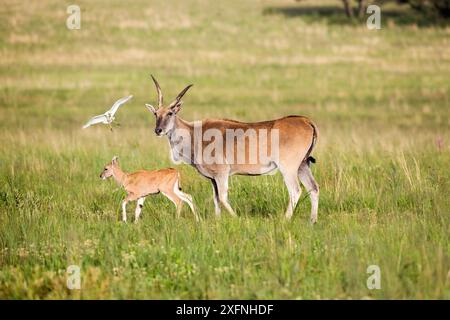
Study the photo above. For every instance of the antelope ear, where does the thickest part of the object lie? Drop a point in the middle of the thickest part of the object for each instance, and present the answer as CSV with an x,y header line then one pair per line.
x,y
115,159
176,107
151,108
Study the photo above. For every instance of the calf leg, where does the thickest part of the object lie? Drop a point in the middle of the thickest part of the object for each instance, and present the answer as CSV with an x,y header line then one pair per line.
x,y
175,199
124,210
307,179
140,204
179,207
129,197
186,198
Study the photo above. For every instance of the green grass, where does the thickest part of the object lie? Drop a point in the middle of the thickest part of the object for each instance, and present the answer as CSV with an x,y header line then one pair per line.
x,y
380,99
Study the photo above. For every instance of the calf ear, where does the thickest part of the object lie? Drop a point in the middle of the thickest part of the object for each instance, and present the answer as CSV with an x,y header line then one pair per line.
x,y
151,108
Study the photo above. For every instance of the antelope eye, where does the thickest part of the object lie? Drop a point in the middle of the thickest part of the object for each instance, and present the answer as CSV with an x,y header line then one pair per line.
x,y
170,113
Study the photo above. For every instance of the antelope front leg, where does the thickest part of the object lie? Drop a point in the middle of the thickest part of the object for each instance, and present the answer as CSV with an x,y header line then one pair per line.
x,y
222,187
140,204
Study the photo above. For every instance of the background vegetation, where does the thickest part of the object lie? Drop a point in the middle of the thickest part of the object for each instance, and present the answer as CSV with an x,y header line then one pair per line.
x,y
380,99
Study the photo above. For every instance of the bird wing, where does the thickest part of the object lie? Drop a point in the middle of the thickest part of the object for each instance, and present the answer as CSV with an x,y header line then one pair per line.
x,y
118,103
95,120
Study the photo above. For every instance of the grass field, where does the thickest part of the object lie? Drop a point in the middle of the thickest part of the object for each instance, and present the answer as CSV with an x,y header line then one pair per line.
x,y
380,99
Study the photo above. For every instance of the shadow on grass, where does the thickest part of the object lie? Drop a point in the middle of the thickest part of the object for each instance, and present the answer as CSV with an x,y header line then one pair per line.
x,y
401,15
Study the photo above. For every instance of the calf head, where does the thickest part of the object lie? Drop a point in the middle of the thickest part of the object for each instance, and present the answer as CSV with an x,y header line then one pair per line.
x,y
108,170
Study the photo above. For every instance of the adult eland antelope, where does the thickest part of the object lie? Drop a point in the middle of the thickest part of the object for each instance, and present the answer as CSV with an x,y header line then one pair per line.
x,y
218,149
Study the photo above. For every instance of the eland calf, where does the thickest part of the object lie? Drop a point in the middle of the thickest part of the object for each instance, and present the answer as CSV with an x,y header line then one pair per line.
x,y
142,183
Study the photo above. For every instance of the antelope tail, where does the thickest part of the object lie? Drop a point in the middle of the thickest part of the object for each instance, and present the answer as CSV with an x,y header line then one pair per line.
x,y
308,158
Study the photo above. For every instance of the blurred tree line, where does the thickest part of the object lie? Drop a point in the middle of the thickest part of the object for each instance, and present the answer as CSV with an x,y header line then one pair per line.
x,y
440,8
432,8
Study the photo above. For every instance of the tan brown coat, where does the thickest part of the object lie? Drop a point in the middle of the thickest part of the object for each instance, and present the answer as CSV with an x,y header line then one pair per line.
x,y
142,183
297,138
